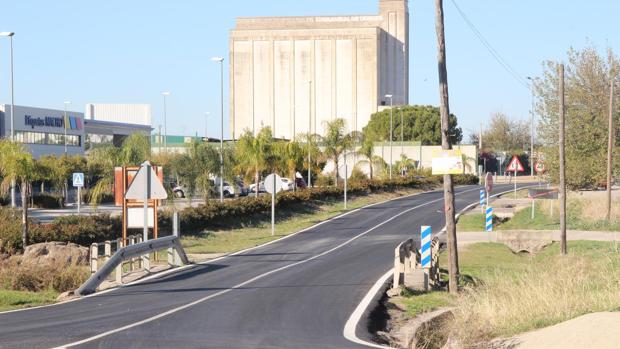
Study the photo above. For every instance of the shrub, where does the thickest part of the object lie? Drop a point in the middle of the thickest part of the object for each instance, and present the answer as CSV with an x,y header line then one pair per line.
x,y
10,230
82,230
25,277
44,200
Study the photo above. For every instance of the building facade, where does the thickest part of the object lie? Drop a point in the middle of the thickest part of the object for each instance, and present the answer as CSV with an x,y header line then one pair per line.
x,y
56,132
294,73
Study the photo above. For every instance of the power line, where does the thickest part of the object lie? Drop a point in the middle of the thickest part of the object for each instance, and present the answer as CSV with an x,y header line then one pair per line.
x,y
490,48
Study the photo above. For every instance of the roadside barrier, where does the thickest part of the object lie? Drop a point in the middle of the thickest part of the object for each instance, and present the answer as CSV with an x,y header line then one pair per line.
x,y
408,259
128,253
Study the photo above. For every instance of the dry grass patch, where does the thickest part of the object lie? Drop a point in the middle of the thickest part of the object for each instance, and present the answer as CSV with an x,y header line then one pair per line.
x,y
517,293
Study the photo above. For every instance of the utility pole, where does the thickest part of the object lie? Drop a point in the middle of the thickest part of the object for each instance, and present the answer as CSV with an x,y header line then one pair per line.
x,y
532,129
610,145
309,133
562,164
448,187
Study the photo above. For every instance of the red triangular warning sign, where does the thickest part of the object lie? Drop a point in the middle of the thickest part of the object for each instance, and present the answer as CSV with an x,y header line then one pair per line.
x,y
515,165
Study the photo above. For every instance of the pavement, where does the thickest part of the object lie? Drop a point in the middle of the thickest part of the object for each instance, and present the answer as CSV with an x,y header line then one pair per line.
x,y
596,330
297,292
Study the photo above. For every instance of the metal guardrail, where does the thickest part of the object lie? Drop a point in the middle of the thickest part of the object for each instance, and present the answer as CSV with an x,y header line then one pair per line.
x,y
171,243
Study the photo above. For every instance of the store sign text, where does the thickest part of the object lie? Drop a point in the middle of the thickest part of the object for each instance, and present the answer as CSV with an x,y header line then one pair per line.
x,y
48,121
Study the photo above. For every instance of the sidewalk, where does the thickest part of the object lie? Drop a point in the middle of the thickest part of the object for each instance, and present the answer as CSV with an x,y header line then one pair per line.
x,y
596,330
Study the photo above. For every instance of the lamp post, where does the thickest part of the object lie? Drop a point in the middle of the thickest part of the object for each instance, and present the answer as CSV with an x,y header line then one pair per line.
x,y
10,36
221,61
310,132
391,129
532,127
207,126
165,94
402,133
65,124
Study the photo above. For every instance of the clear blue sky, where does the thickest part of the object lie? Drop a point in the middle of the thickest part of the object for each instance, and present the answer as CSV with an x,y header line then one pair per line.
x,y
130,51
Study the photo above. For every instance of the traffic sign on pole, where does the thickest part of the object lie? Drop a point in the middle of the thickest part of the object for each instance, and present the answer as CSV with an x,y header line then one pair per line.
x,y
273,184
78,181
539,167
515,165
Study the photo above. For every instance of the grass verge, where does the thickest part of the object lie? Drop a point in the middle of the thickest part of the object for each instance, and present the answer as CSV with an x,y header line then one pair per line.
x,y
10,299
287,222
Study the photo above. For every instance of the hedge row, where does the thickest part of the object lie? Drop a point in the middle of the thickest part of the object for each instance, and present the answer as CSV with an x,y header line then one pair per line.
x,y
84,230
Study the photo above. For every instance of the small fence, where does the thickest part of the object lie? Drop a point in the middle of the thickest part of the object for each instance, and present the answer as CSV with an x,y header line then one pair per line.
x,y
408,269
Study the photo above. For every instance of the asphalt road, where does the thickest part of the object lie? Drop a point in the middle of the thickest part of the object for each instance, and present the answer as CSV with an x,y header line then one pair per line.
x,y
295,293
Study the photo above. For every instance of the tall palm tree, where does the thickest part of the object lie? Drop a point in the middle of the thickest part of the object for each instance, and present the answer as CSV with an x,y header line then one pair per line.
x,y
367,150
18,166
291,157
255,154
336,142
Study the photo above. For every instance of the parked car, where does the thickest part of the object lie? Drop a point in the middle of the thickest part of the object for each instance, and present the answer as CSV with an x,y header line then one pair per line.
x,y
229,190
287,185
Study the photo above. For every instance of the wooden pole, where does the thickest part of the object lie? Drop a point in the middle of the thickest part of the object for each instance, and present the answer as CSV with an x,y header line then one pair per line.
x,y
562,163
448,187
610,147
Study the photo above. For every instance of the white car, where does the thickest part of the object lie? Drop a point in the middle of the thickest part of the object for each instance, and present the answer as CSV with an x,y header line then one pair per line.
x,y
287,185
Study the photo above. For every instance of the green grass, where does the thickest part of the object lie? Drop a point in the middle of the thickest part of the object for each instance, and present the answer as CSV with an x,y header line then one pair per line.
x,y
523,220
416,304
226,241
22,299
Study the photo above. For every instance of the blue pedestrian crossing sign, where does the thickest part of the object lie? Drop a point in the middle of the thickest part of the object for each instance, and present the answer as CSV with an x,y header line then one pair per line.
x,y
78,179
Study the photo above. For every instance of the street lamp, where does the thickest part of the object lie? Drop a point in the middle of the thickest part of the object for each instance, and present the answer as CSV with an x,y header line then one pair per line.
x,y
391,129
532,127
65,124
207,126
221,61
310,132
165,94
10,36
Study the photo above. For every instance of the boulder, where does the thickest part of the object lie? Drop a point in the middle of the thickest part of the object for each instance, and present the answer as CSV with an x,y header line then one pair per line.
x,y
51,253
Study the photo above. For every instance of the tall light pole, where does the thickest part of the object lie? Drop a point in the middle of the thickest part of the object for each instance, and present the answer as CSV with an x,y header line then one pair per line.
x,y
10,36
207,126
164,95
391,129
221,61
65,124
532,127
310,132
402,133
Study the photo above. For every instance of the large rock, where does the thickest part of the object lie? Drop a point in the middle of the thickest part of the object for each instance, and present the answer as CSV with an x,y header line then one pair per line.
x,y
51,253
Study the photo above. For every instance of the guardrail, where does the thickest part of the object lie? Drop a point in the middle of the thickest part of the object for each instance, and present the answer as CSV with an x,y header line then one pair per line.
x,y
132,252
407,263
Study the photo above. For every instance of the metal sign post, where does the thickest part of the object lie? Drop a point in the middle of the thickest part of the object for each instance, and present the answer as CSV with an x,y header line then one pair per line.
x,y
515,166
78,181
345,173
273,185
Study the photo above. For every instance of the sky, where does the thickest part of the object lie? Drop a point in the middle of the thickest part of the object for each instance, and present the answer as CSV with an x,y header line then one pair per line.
x,y
119,51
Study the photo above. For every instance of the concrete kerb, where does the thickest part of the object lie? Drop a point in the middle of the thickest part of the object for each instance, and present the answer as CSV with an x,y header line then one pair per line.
x,y
183,268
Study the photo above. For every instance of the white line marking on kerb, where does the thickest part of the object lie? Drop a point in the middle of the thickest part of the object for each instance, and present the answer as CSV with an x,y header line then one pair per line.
x,y
256,278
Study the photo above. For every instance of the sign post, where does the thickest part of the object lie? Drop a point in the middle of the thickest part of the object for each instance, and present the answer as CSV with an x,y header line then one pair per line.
x,y
515,166
345,173
146,186
488,185
78,181
273,185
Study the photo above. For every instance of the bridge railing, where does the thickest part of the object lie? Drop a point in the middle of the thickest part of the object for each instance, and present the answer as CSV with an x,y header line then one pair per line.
x,y
408,267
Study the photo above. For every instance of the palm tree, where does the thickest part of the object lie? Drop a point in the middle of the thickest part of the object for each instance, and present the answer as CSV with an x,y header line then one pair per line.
x,y
255,154
17,165
336,142
291,157
367,150
102,160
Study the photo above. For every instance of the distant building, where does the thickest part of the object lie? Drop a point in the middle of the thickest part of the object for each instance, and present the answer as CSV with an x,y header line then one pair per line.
x,y
294,73
43,130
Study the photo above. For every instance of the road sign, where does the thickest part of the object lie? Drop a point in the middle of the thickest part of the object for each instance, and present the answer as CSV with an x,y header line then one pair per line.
x,y
515,165
448,162
425,249
78,180
146,184
345,171
489,219
270,184
543,193
539,167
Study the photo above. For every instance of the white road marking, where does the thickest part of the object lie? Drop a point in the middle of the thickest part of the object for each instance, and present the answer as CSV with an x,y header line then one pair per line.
x,y
258,277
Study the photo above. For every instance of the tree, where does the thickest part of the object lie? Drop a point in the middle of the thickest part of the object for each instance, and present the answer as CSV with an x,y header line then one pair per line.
x,y
59,170
587,89
420,123
18,166
291,155
255,154
366,150
336,142
504,134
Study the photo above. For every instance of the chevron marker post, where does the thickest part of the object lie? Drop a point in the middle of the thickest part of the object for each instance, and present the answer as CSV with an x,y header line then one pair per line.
x,y
489,219
482,198
425,249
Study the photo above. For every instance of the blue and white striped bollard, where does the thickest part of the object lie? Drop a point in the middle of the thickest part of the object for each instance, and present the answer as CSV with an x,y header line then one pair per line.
x,y
425,249
489,219
482,197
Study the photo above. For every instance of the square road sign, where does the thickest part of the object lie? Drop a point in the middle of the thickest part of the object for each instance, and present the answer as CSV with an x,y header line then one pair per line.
x,y
78,179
